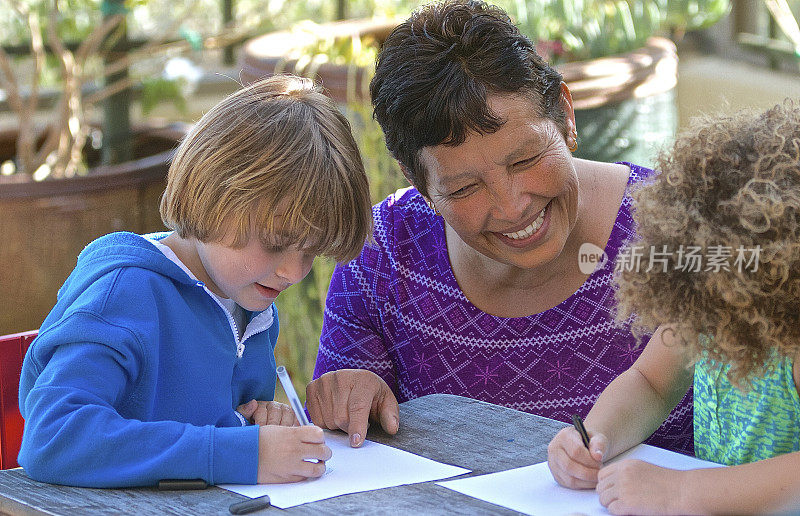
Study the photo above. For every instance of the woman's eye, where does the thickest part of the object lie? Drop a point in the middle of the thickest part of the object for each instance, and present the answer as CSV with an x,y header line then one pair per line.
x,y
526,162
462,192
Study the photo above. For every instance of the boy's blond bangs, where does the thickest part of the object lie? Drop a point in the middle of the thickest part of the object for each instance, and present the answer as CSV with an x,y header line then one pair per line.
x,y
277,148
320,207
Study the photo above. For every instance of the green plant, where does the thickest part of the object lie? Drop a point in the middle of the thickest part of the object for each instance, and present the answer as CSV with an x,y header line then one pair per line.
x,y
576,30
98,69
564,30
156,90
353,51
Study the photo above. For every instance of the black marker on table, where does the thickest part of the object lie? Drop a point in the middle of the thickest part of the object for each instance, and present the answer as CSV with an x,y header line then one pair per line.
x,y
252,505
577,422
180,484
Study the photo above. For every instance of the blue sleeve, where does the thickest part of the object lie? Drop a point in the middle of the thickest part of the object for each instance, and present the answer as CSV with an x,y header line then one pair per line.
x,y
74,435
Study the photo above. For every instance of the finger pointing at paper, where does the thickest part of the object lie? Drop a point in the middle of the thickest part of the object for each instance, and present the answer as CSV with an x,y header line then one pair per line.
x,y
348,398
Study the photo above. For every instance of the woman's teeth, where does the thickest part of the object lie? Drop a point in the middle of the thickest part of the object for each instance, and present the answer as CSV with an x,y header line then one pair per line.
x,y
528,231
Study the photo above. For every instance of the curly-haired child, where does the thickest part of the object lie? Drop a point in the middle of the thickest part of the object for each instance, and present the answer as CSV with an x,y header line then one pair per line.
x,y
157,361
729,193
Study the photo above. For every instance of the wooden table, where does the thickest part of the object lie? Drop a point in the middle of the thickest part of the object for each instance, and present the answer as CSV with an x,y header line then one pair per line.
x,y
451,429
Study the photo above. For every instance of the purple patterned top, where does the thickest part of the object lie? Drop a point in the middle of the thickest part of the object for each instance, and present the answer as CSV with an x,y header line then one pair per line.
x,y
397,310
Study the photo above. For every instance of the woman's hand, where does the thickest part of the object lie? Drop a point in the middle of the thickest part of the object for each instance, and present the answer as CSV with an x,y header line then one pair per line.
x,y
284,453
268,413
346,400
571,464
637,487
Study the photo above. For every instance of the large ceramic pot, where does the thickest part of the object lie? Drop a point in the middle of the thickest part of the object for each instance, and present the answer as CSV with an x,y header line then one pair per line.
x,y
281,52
44,225
625,104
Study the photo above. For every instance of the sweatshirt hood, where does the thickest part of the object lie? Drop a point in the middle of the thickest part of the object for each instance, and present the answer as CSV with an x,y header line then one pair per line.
x,y
115,251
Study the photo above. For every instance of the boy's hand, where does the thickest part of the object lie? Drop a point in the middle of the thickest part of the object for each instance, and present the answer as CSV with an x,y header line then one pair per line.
x,y
637,487
571,464
268,413
282,452
346,400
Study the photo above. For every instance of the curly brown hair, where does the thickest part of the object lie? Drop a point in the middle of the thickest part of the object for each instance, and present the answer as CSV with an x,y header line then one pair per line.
x,y
732,182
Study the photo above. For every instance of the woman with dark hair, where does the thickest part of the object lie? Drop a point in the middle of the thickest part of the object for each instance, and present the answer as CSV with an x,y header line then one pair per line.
x,y
474,284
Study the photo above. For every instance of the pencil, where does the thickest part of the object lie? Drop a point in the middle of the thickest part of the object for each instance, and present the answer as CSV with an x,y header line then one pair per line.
x,y
578,424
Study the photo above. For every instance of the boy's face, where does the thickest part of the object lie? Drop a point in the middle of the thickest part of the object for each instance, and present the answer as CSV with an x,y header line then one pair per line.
x,y
252,275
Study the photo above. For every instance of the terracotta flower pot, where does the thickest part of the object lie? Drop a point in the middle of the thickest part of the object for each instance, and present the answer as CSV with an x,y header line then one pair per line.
x,y
44,225
624,104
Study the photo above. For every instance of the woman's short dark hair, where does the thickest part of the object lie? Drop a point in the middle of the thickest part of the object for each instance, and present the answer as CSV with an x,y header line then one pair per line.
x,y
435,71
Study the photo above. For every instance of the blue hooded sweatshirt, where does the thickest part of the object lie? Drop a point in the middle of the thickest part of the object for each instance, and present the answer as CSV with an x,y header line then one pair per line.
x,y
136,374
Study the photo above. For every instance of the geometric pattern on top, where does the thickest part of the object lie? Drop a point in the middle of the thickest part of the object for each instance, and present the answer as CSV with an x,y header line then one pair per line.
x,y
398,311
737,427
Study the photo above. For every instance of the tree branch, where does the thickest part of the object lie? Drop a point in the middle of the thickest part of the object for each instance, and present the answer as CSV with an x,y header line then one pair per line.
x,y
71,96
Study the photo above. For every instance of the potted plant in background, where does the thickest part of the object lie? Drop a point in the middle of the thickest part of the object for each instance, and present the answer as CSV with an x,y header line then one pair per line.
x,y
56,192
620,68
339,55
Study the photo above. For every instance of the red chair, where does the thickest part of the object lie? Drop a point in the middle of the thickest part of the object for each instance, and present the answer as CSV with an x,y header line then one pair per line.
x,y
12,351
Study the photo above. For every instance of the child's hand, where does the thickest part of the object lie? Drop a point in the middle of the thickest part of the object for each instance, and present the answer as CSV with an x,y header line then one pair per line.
x,y
268,413
571,463
637,487
282,450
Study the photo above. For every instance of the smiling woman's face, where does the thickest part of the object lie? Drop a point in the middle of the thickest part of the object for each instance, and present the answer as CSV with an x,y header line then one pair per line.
x,y
511,195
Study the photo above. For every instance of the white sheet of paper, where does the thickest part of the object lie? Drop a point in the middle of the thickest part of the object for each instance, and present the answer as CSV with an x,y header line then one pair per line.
x,y
352,470
532,489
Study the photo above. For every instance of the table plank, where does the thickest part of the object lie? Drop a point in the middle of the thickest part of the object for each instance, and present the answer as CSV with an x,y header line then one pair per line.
x,y
452,429
19,495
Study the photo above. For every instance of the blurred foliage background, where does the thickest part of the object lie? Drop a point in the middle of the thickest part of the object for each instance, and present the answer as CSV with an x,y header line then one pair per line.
x,y
575,30
564,30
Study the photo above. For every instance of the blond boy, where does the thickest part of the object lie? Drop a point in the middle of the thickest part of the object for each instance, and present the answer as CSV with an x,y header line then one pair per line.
x,y
156,340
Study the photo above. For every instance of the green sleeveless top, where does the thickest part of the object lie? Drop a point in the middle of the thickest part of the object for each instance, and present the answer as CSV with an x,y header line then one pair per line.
x,y
732,427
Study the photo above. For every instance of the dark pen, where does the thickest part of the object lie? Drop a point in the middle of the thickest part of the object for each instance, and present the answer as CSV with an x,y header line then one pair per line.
x,y
181,484
254,504
578,423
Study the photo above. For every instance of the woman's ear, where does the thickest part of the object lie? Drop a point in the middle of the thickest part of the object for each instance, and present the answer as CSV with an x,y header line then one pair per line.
x,y
566,105
427,200
409,177
406,173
